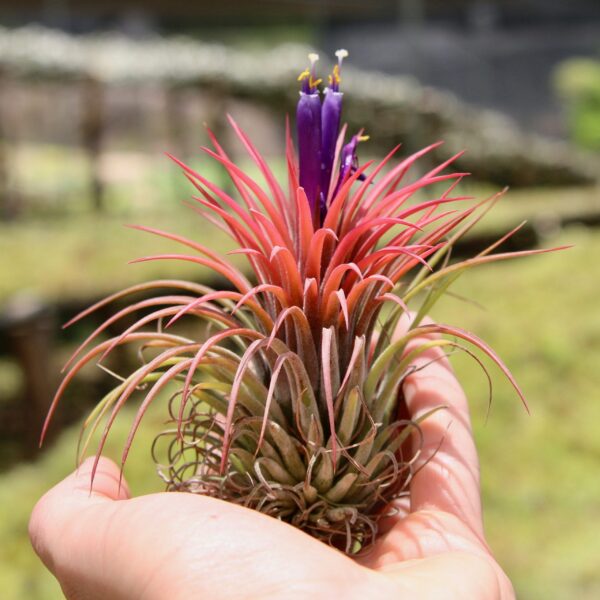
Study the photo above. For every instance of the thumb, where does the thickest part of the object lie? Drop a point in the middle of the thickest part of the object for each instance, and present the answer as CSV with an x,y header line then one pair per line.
x,y
61,522
52,513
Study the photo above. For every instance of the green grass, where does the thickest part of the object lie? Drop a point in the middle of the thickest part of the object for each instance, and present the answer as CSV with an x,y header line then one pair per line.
x,y
540,481
62,250
83,256
544,208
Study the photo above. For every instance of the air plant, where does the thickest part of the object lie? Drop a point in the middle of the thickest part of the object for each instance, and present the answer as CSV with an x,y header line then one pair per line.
x,y
291,403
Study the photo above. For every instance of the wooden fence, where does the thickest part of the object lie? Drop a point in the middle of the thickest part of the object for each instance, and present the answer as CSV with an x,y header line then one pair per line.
x,y
394,109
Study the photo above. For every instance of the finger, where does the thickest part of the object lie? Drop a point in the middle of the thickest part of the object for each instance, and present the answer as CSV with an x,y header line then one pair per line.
x,y
166,545
448,479
453,576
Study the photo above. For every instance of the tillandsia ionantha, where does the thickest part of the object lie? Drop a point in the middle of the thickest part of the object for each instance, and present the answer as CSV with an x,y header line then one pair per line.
x,y
291,403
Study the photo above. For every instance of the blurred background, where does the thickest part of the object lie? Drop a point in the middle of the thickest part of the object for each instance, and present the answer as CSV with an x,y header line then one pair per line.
x,y
93,93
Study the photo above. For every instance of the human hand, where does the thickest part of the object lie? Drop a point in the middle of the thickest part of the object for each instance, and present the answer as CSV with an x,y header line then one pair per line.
x,y
107,545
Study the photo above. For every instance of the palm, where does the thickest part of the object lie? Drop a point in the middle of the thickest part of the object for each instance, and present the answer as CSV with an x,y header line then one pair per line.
x,y
181,545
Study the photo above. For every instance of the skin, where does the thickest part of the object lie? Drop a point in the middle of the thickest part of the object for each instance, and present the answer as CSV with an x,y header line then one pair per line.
x,y
109,545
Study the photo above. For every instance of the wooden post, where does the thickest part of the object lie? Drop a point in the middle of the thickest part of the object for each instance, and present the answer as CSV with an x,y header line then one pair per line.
x,y
8,207
175,120
92,129
29,324
216,109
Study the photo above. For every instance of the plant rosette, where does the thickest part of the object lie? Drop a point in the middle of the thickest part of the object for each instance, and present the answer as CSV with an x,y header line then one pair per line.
x,y
291,402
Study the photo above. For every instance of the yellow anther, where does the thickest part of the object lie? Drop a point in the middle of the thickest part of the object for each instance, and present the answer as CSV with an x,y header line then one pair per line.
x,y
309,72
363,138
335,78
304,75
336,74
313,57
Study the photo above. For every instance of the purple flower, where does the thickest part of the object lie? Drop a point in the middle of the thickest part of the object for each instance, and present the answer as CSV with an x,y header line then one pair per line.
x,y
318,130
330,119
308,123
349,160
